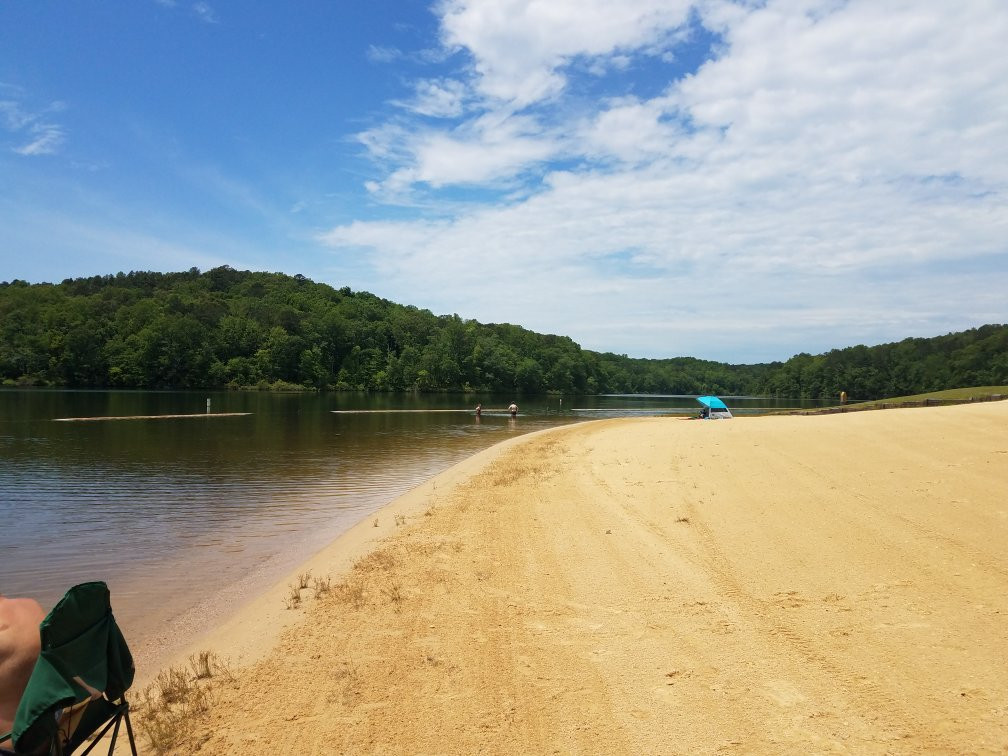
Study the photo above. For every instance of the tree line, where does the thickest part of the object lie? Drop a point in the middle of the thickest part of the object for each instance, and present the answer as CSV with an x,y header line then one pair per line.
x,y
243,329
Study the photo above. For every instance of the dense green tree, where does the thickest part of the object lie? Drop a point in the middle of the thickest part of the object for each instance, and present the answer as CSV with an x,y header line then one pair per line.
x,y
236,328
529,376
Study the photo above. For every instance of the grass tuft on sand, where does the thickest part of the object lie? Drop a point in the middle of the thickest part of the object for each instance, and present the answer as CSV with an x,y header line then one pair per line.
x,y
168,708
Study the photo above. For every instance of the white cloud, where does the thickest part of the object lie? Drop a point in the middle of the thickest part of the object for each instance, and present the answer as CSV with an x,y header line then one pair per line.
x,y
13,117
519,46
205,13
630,131
490,148
818,179
36,134
46,139
378,54
438,98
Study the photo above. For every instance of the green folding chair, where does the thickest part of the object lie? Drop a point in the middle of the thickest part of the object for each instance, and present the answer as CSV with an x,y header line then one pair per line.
x,y
77,687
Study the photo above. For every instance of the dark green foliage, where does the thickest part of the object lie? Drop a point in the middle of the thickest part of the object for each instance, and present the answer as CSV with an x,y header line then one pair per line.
x,y
236,328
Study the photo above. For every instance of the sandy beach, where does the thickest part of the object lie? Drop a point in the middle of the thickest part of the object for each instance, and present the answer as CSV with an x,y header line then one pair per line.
x,y
652,586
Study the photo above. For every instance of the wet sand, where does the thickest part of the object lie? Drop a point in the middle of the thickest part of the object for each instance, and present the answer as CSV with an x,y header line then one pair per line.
x,y
656,585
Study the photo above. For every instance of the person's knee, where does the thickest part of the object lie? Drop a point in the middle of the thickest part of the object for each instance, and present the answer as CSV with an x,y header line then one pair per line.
x,y
20,612
19,649
19,629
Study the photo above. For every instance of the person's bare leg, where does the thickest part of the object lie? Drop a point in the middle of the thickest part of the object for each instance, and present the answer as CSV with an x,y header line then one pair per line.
x,y
19,648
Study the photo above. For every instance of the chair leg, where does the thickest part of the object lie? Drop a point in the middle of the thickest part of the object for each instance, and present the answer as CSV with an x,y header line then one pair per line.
x,y
113,724
115,734
129,731
96,739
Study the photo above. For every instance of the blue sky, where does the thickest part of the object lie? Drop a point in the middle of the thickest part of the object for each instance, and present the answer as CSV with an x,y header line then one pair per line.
x,y
726,179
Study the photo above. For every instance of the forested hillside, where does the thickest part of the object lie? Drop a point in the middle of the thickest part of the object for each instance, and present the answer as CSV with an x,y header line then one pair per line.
x,y
240,329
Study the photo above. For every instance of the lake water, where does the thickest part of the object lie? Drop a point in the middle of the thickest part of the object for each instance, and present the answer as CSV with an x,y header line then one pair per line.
x,y
181,514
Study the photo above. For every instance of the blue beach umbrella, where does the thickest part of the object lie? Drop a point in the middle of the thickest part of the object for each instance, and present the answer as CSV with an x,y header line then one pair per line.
x,y
712,402
716,409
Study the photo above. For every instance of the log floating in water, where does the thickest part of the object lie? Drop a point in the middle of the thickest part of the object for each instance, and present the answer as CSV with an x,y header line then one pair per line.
x,y
146,417
401,411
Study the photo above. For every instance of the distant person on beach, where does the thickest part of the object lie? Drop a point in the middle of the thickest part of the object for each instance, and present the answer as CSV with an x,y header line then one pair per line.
x,y
19,649
479,410
513,409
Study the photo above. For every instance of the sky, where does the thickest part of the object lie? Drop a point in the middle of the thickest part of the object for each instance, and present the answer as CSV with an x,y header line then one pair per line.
x,y
734,180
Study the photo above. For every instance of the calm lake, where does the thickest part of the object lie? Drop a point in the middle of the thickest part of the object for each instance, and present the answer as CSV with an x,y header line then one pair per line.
x,y
179,515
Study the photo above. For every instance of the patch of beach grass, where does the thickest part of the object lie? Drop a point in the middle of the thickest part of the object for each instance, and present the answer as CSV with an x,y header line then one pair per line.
x,y
166,709
394,592
322,586
959,394
200,664
304,580
951,396
974,393
293,600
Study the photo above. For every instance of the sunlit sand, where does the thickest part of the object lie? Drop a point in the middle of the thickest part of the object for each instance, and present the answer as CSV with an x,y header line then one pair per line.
x,y
770,585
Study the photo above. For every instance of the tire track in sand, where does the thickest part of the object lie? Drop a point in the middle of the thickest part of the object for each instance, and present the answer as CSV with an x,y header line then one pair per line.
x,y
871,702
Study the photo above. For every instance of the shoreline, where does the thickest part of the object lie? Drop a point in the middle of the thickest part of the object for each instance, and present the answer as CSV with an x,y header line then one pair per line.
x,y
773,584
250,630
